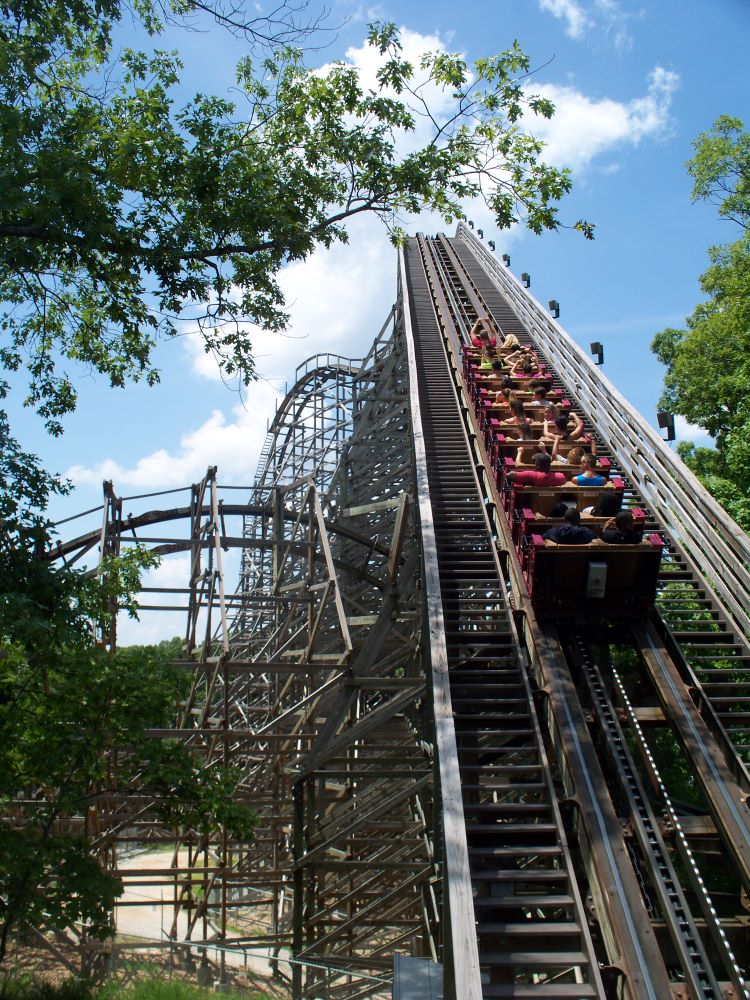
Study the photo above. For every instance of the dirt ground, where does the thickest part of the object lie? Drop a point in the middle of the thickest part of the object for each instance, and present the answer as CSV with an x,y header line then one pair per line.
x,y
142,921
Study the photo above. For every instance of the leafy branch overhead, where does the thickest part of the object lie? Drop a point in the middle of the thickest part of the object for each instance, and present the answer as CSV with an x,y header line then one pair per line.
x,y
124,212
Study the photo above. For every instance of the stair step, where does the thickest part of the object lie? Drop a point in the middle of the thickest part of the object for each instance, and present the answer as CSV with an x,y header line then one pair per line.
x,y
516,875
520,902
533,958
529,928
548,850
539,991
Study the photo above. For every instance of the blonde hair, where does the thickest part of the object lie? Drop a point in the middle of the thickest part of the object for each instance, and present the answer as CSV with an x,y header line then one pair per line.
x,y
575,455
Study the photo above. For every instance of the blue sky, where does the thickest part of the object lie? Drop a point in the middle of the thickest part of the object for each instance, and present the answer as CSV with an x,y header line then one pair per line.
x,y
634,83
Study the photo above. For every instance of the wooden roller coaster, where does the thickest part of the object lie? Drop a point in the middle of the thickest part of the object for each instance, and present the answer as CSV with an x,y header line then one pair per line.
x,y
549,799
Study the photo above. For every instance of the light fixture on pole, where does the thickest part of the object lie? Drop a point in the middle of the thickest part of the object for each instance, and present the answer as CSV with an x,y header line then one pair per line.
x,y
554,308
597,351
666,422
526,278
506,259
491,244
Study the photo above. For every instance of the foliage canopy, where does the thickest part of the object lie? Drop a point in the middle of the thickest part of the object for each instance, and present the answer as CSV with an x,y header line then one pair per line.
x,y
708,363
72,721
124,211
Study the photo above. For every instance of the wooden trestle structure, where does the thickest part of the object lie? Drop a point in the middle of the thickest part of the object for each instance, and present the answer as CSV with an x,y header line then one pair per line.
x,y
549,809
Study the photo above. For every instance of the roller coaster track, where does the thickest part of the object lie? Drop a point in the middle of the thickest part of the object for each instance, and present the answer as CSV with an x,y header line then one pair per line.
x,y
592,752
552,809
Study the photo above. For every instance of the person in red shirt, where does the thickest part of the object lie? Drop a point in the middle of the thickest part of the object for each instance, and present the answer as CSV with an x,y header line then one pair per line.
x,y
541,476
481,333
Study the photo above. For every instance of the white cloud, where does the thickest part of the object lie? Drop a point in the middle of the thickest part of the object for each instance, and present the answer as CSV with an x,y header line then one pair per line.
x,y
367,60
569,11
337,301
692,432
583,127
605,17
614,21
202,363
233,445
649,115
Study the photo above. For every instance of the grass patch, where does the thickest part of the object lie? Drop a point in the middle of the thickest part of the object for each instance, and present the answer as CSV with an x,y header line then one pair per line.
x,y
27,988
155,989
152,989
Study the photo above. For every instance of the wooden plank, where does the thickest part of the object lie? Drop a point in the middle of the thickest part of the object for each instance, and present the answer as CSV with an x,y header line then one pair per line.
x,y
399,536
325,544
371,508
372,721
217,537
726,800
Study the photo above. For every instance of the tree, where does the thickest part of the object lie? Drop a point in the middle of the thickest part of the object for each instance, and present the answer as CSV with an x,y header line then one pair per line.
x,y
708,364
65,705
123,213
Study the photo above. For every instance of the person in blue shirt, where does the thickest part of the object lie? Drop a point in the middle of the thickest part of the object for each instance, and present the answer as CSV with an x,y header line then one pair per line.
x,y
588,475
570,532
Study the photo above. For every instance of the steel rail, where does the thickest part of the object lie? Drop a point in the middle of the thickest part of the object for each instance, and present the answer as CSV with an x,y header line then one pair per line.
x,y
674,907
686,855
